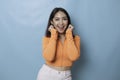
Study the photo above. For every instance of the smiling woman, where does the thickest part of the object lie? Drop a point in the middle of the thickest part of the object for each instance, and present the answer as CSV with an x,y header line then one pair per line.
x,y
60,47
60,22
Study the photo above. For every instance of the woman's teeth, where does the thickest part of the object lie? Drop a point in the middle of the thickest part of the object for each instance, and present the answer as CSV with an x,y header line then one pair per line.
x,y
61,28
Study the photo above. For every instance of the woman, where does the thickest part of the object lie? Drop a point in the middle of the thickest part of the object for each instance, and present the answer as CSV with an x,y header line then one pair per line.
x,y
60,47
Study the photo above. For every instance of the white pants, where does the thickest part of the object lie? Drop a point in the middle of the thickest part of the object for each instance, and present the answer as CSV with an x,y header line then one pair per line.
x,y
47,73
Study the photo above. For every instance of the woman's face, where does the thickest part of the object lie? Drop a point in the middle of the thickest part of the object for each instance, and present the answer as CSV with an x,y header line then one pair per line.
x,y
60,22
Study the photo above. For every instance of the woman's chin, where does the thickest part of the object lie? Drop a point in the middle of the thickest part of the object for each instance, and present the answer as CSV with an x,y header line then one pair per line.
x,y
60,32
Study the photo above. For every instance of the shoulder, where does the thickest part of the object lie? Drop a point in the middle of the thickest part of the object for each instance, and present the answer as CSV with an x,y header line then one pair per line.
x,y
45,38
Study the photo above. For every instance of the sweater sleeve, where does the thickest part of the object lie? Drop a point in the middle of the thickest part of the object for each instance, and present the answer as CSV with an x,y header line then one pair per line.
x,y
49,46
73,46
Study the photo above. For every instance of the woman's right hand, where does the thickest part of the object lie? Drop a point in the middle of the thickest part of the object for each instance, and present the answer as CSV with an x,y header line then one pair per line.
x,y
51,27
53,31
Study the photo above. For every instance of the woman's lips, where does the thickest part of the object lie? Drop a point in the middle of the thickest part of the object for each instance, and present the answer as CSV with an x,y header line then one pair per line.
x,y
61,28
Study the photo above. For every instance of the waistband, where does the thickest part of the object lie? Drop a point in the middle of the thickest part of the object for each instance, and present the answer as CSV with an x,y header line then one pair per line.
x,y
59,68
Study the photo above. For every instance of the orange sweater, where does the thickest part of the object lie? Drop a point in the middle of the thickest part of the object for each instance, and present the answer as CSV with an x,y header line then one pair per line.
x,y
61,55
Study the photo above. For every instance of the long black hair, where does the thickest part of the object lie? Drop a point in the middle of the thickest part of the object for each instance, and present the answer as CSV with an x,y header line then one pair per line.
x,y
54,11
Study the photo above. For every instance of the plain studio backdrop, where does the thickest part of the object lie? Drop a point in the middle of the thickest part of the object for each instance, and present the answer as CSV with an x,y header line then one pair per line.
x,y
23,24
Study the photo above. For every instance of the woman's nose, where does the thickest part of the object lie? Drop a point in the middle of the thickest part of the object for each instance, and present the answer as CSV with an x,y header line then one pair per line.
x,y
61,22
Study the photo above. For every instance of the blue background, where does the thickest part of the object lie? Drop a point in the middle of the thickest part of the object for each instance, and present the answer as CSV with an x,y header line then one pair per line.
x,y
23,24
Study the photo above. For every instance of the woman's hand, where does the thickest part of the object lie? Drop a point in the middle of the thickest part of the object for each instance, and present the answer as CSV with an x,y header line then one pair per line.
x,y
69,32
52,30
70,27
51,27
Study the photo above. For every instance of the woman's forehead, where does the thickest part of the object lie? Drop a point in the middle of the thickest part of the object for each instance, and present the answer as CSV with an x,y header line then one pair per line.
x,y
60,14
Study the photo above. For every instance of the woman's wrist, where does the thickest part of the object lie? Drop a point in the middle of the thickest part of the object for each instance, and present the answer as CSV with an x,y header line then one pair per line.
x,y
54,33
69,34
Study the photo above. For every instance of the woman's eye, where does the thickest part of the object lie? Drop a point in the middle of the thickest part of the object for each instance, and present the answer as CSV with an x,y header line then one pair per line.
x,y
65,19
56,19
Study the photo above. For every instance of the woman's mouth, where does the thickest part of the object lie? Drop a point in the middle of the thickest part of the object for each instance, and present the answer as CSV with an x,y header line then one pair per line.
x,y
61,28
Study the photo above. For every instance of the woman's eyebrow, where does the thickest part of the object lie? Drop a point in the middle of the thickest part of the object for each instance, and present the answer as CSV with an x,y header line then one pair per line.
x,y
62,17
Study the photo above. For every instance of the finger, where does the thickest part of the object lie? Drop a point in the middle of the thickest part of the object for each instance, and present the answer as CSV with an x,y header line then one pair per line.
x,y
51,27
70,26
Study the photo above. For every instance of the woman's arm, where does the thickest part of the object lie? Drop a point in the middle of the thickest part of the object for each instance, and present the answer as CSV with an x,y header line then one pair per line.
x,y
73,46
49,46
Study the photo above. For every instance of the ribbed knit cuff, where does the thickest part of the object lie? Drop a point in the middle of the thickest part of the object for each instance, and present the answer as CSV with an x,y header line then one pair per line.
x,y
69,34
54,34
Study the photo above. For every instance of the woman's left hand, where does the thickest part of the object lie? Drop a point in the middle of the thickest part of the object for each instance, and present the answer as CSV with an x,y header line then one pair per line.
x,y
70,27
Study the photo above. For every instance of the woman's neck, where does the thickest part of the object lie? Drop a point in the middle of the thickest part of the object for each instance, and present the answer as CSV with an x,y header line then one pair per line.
x,y
61,36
